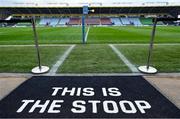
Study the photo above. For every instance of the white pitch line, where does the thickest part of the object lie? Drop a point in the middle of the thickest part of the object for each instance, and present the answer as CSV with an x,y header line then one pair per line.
x,y
53,45
60,60
160,44
124,59
87,34
49,45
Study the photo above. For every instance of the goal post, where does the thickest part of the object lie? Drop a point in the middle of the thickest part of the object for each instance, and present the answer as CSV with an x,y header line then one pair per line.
x,y
85,12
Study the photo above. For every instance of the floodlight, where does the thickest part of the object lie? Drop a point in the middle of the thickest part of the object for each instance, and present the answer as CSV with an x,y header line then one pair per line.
x,y
92,10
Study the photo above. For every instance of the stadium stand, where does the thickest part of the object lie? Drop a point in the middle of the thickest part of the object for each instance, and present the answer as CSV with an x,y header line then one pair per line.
x,y
74,21
135,21
160,23
93,21
8,18
37,20
116,21
146,21
125,21
54,21
169,23
45,21
49,21
106,21
63,21
45,12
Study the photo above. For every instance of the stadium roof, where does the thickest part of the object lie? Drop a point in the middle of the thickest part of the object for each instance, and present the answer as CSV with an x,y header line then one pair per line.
x,y
61,7
174,11
91,3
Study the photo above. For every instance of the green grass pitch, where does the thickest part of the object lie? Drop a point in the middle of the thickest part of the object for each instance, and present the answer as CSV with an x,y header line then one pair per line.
x,y
94,57
23,59
98,35
128,34
166,58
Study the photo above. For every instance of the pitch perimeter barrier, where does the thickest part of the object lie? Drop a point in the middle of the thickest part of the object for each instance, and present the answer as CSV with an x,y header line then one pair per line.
x,y
149,69
39,69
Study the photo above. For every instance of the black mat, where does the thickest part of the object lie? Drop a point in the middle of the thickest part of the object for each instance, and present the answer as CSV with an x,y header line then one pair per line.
x,y
120,98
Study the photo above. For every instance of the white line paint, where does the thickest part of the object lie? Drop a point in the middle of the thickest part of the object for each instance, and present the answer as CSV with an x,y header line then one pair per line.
x,y
124,59
53,45
49,45
60,61
87,34
160,44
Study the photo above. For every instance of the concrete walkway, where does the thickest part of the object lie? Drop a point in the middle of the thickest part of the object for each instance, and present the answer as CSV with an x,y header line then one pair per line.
x,y
8,84
168,86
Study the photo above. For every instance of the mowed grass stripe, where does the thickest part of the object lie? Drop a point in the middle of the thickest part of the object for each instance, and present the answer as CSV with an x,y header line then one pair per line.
x,y
47,35
60,61
23,59
163,33
97,35
124,59
93,59
165,57
129,34
44,45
